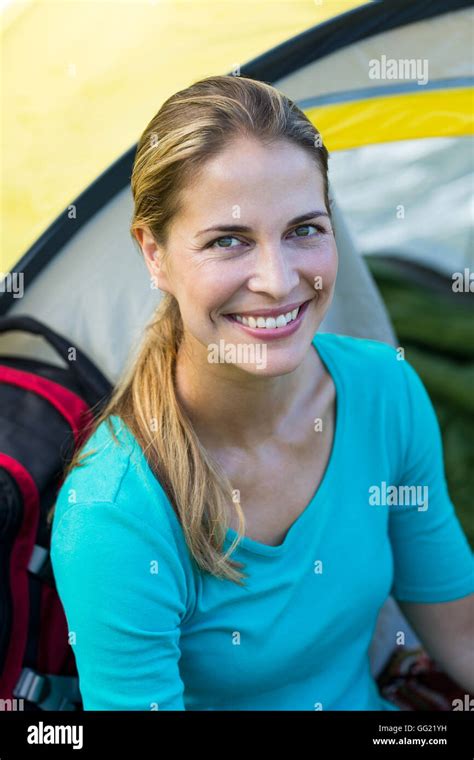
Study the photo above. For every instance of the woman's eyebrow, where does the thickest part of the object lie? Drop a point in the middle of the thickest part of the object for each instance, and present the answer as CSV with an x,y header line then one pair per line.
x,y
241,228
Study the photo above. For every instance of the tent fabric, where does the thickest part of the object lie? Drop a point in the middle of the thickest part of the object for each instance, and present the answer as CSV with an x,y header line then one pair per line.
x,y
352,109
352,30
435,112
410,199
74,100
445,41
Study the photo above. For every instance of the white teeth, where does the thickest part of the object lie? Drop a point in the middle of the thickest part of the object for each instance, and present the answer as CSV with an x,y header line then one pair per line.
x,y
269,322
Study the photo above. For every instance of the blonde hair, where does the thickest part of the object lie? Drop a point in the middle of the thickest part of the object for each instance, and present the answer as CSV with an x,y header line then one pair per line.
x,y
192,126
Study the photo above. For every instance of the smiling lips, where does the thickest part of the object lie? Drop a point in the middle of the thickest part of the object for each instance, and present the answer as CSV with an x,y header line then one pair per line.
x,y
274,319
270,322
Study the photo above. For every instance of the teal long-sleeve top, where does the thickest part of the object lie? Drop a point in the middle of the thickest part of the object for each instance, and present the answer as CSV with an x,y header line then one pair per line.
x,y
150,631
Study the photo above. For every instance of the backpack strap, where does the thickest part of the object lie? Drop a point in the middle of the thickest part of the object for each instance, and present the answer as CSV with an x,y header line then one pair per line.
x,y
93,384
48,692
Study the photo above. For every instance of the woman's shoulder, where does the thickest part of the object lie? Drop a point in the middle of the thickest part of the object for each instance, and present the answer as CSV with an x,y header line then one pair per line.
x,y
362,357
105,461
114,471
370,369
356,347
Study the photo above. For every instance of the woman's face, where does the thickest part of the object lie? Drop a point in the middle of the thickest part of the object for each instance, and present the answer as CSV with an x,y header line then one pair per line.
x,y
258,264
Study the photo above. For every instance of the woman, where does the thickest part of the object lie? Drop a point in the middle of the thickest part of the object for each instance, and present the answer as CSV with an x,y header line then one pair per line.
x,y
250,495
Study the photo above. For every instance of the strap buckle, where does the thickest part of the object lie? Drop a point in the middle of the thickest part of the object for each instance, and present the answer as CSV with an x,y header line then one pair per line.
x,y
48,692
40,565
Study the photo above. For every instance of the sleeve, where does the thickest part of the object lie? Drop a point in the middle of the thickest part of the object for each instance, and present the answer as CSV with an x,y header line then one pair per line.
x,y
122,589
432,558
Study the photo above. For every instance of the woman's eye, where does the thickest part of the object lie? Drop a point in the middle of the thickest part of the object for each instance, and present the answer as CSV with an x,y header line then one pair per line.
x,y
226,237
306,226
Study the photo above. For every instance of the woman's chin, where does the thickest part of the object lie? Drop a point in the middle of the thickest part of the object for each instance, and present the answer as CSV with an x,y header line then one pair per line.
x,y
258,357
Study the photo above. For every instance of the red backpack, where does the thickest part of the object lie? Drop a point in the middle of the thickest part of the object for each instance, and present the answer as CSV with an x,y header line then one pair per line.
x,y
44,414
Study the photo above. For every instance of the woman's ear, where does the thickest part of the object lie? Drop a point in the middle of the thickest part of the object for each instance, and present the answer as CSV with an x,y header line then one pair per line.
x,y
153,256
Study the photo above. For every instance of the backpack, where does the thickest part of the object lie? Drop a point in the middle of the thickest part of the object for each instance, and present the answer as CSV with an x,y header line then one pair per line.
x,y
44,414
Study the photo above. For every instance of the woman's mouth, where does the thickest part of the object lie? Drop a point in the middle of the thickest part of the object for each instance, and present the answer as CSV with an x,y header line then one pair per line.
x,y
279,326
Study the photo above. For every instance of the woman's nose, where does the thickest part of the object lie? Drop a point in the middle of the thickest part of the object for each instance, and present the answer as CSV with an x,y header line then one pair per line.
x,y
273,272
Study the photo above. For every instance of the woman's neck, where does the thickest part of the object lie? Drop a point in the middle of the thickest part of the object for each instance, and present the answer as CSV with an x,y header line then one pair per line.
x,y
230,407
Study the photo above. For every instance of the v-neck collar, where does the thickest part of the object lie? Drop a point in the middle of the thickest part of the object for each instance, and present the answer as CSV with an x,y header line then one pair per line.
x,y
320,343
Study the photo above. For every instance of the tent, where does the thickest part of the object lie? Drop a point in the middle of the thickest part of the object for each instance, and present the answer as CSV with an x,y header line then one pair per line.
x,y
394,141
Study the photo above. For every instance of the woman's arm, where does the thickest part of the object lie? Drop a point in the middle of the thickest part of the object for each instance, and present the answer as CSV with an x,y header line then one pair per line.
x,y
123,592
433,562
447,631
